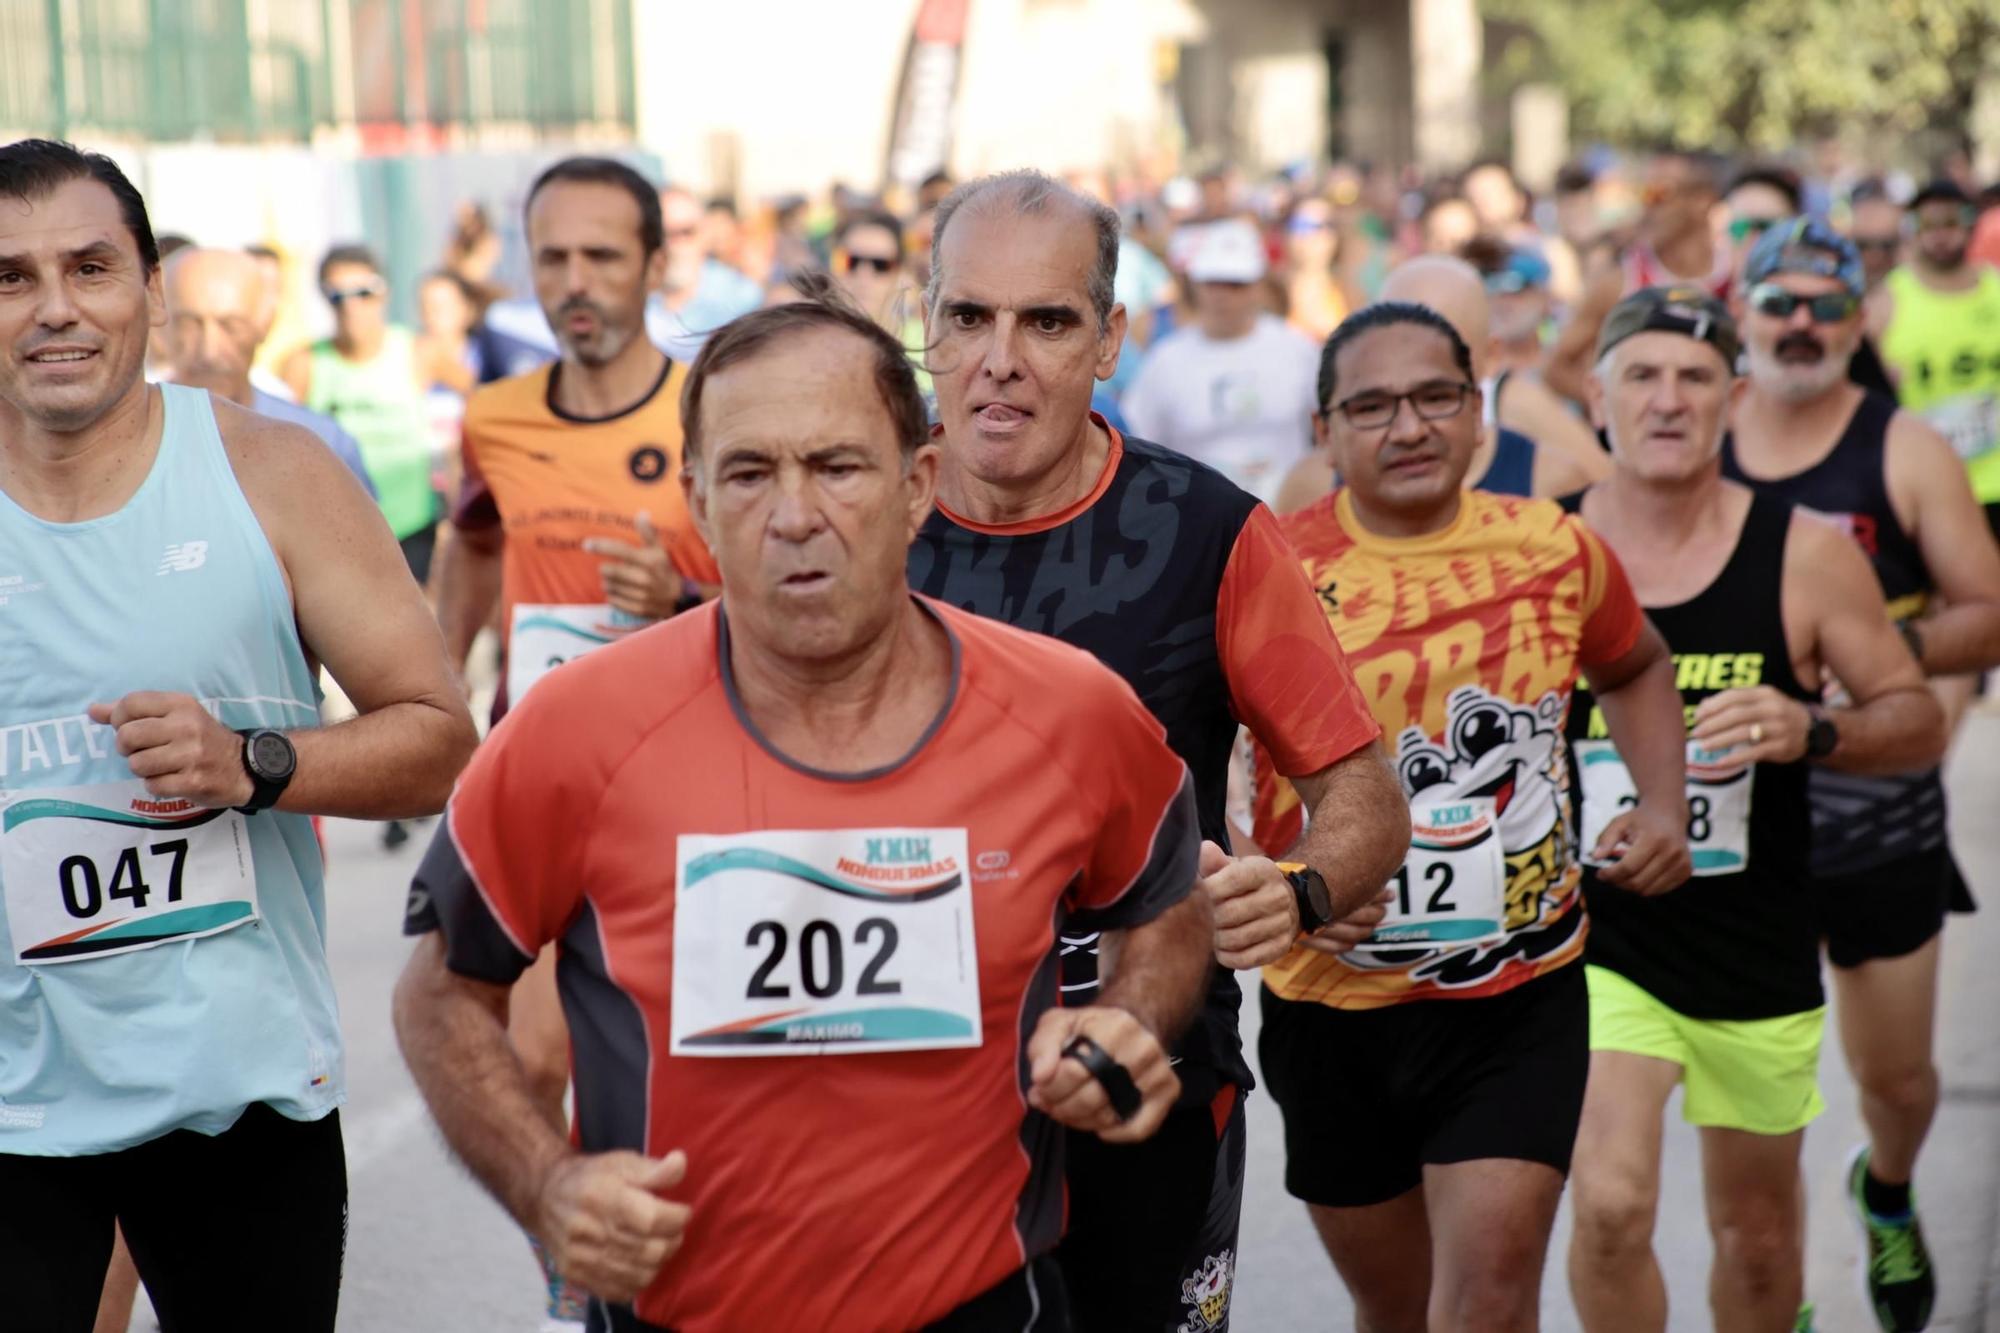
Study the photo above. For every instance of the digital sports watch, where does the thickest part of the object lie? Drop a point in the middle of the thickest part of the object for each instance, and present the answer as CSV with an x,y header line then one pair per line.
x,y
270,760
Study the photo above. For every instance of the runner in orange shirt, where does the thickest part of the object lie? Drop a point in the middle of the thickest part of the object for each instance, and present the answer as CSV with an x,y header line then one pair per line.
x,y
821,1066
571,516
1454,1041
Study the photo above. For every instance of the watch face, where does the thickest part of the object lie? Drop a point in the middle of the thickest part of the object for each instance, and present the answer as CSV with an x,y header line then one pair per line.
x,y
271,755
1322,901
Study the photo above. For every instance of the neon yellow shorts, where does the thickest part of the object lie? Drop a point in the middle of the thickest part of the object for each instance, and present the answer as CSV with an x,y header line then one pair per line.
x,y
1757,1075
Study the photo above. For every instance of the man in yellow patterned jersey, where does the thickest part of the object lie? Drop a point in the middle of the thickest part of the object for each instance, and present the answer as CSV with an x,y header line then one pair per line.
x,y
1452,1041
571,519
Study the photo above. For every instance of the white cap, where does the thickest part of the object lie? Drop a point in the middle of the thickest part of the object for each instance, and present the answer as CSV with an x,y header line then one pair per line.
x,y
1230,251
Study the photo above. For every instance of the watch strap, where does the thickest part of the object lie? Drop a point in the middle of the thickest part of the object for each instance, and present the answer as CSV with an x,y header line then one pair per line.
x,y
264,793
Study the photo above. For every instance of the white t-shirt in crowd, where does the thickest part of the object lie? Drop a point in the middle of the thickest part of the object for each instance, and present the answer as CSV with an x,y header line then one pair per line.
x,y
1241,405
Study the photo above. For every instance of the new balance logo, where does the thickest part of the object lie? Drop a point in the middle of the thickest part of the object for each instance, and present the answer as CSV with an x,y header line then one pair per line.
x,y
180,557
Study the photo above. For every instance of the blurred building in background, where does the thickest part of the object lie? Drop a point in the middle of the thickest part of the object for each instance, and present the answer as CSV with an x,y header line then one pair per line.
x,y
305,122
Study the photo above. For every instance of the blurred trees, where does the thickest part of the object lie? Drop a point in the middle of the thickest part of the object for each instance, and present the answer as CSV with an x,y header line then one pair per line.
x,y
1756,74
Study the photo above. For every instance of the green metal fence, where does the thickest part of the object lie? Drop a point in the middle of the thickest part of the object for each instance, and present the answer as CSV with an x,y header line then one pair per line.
x,y
261,70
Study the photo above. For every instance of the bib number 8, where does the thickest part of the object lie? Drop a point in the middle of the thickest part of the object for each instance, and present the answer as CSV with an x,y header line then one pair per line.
x,y
83,890
822,965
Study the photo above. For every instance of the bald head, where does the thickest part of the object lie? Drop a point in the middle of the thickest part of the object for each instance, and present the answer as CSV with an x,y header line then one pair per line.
x,y
1013,194
1455,290
215,318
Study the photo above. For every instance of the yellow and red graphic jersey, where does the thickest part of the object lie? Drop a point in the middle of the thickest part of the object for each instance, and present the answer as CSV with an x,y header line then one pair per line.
x,y
817,985
550,481
1466,644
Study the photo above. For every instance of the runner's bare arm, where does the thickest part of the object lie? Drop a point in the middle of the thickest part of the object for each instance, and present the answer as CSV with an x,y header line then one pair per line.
x,y
1833,611
1646,847
1567,365
297,373
1559,472
1357,827
599,1215
468,588
359,613
1154,977
1562,437
1957,545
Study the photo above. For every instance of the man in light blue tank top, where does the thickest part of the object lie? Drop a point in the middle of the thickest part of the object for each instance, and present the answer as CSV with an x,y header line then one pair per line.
x,y
170,572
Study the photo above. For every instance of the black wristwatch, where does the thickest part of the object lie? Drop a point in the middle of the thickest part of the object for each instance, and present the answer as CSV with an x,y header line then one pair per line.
x,y
1315,903
269,759
1822,737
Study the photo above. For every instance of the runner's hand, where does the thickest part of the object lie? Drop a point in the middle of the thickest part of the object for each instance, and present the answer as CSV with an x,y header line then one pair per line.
x,y
638,580
1645,851
1730,720
1351,929
606,1228
1256,911
179,748
1070,1095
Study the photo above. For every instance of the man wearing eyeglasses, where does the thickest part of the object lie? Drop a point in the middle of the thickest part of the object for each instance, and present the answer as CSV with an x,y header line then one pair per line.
x,y
1432,1078
1875,225
1882,868
365,378
698,293
1758,197
1938,318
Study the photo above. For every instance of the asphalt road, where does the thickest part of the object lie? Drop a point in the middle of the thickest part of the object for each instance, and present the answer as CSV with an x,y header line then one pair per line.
x,y
429,1251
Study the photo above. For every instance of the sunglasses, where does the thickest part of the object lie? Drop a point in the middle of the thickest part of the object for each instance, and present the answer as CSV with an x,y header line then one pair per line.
x,y
1885,244
1744,229
1770,299
339,296
1508,282
873,263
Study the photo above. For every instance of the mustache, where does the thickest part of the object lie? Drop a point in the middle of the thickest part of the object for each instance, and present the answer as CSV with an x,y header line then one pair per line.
x,y
581,305
1800,341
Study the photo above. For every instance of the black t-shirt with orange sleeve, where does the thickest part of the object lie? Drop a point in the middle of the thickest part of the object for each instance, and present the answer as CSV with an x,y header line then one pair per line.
x,y
1181,583
819,986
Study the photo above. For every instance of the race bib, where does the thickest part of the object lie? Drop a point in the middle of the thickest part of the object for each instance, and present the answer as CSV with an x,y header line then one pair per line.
x,y
1971,422
547,634
1718,829
1451,890
91,871
824,941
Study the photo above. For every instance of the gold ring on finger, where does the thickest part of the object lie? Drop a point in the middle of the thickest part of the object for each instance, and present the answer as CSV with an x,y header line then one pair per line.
x,y
1756,733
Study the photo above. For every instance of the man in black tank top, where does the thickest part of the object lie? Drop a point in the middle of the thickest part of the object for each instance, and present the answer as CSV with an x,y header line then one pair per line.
x,y
1882,869
1715,985
1181,583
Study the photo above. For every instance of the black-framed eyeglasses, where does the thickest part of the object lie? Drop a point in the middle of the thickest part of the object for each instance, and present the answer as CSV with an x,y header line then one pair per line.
x,y
1768,298
1375,409
873,263
1884,244
1959,219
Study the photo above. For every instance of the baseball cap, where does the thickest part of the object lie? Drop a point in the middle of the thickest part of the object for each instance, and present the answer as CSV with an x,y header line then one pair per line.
x,y
1686,310
1943,189
1525,270
1229,251
1805,245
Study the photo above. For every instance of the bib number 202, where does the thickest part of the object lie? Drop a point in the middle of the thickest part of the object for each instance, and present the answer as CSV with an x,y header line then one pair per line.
x,y
83,891
822,965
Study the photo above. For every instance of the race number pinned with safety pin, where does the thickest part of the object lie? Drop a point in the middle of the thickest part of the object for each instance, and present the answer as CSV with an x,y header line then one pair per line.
x,y
1452,888
824,941
107,869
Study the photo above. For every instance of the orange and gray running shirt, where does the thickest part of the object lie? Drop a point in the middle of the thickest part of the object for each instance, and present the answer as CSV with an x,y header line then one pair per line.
x,y
1466,643
818,985
549,481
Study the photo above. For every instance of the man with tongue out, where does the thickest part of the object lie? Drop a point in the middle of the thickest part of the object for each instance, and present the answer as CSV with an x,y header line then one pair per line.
x,y
1049,519
1882,869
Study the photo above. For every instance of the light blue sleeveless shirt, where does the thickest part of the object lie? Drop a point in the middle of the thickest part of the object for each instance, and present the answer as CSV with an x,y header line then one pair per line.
x,y
176,959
